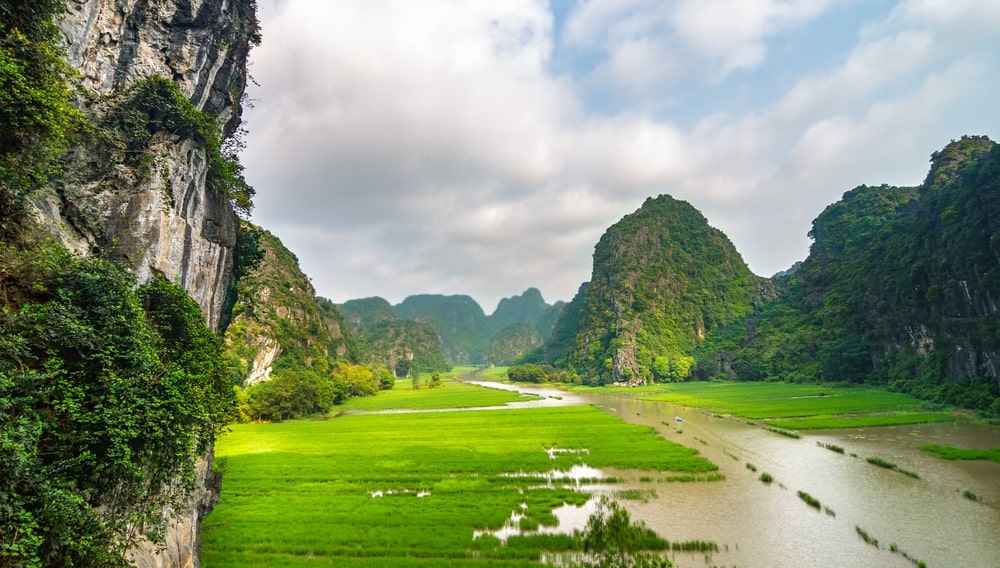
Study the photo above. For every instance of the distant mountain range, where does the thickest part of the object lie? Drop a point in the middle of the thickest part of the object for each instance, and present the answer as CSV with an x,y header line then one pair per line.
x,y
901,288
466,334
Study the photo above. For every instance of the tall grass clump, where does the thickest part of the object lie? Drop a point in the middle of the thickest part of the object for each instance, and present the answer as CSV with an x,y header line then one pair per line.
x,y
875,460
831,447
865,536
810,500
785,433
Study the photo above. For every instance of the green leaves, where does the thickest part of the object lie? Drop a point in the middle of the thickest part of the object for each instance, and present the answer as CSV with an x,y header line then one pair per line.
x,y
108,396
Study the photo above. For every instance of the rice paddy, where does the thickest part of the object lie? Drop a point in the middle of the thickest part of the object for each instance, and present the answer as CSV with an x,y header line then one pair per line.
x,y
790,406
951,453
413,489
451,394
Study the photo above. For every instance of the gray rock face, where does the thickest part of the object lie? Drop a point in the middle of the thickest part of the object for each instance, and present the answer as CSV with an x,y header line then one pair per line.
x,y
159,215
157,212
201,45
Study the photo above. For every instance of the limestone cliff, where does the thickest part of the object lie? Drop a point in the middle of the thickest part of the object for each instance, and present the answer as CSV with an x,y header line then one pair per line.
x,y
153,205
662,279
148,198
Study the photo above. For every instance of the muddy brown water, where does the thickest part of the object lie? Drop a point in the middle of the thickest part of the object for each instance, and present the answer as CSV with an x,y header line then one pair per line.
x,y
768,525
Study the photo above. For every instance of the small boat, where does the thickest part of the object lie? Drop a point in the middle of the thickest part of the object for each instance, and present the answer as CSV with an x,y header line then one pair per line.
x,y
678,419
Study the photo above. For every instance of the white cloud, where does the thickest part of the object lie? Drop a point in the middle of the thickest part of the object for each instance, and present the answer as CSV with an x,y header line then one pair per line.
x,y
413,147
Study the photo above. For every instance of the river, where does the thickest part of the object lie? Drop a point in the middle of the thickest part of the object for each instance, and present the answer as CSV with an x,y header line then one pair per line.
x,y
769,526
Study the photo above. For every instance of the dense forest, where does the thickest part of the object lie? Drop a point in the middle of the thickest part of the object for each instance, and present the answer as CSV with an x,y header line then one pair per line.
x,y
900,288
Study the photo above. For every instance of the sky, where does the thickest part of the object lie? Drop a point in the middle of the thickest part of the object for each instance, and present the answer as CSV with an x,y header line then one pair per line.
x,y
482,148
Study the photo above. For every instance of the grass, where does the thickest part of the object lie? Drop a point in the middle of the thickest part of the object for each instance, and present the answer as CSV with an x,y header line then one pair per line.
x,y
410,489
799,406
875,460
865,536
868,421
831,447
952,453
493,374
968,494
451,394
810,500
785,433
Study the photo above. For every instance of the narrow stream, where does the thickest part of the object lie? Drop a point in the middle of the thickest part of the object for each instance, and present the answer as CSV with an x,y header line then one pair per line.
x,y
767,525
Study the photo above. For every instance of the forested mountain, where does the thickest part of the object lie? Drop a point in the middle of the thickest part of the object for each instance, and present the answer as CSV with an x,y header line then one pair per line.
x,y
458,320
277,321
901,287
511,343
662,279
364,314
404,347
384,338
466,335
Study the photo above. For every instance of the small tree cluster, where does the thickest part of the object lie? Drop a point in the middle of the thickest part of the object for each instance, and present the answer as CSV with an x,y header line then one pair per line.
x,y
612,540
532,373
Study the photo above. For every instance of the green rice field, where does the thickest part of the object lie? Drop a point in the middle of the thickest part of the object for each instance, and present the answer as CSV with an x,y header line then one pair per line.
x,y
411,489
952,453
801,406
451,394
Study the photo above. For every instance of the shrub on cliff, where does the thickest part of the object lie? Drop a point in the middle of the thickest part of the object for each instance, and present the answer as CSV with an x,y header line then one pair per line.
x,y
109,394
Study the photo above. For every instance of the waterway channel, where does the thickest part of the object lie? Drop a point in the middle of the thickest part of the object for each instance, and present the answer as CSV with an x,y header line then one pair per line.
x,y
757,524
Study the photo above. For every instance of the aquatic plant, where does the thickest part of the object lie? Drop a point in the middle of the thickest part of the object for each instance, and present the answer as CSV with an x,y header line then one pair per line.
x,y
865,536
785,433
831,447
810,500
875,460
694,546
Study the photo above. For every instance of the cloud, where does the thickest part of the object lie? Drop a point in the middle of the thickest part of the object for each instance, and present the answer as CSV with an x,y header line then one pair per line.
x,y
435,147
650,46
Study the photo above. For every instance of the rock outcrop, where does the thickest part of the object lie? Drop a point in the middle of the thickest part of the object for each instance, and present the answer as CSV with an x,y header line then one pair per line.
x,y
278,322
157,212
153,208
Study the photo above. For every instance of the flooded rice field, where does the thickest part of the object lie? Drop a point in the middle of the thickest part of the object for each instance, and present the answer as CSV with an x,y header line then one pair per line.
x,y
925,516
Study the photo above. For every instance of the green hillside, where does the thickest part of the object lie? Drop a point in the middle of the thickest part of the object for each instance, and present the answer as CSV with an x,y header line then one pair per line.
x,y
900,288
662,279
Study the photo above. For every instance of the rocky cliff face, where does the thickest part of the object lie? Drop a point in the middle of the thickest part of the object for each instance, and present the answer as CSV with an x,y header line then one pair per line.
x,y
153,207
156,212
